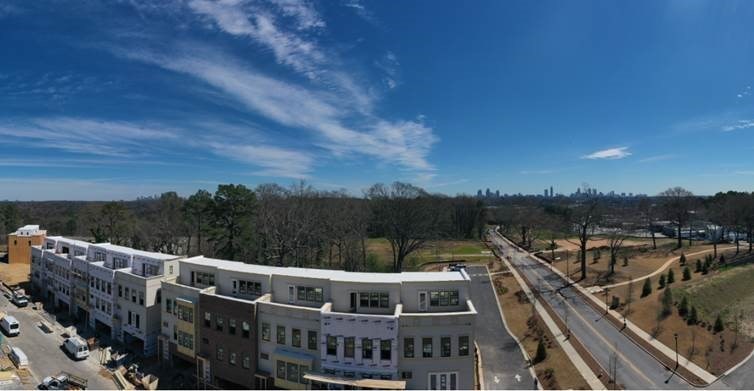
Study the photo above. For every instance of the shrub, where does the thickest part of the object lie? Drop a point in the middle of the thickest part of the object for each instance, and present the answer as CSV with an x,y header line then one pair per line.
x,y
646,290
683,259
718,324
615,303
671,276
683,308
722,259
698,266
625,261
541,352
662,281
686,273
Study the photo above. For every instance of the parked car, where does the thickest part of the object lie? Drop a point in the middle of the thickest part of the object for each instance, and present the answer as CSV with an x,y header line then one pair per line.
x,y
10,325
76,347
457,267
63,381
19,299
19,357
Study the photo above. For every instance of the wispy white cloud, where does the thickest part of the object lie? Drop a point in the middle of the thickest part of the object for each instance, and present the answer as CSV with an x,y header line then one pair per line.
x,y
275,161
389,65
609,154
657,158
741,124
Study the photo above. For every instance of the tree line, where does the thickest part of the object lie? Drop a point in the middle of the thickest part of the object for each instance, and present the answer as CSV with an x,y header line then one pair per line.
x,y
270,224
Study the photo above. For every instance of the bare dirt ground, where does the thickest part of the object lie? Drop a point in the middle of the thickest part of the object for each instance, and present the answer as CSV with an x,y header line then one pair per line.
x,y
14,274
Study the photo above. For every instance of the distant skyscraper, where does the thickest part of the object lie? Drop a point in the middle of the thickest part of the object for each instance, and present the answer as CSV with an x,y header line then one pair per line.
x,y
551,193
479,193
488,193
545,193
497,193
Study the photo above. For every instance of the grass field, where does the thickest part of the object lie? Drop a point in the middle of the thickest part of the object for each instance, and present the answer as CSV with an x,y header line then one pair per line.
x,y
451,250
725,291
556,371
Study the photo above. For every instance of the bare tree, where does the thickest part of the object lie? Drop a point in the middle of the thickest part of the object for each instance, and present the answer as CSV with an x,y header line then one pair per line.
x,y
585,218
406,215
677,202
647,209
615,242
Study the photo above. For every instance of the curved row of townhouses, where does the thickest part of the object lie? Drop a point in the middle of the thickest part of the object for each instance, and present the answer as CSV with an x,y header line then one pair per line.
x,y
256,326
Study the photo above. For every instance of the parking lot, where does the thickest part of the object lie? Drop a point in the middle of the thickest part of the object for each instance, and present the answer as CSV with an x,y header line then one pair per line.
x,y
46,357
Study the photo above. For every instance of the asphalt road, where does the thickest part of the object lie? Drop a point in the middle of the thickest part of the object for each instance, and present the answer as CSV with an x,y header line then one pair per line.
x,y
43,350
502,360
636,369
742,378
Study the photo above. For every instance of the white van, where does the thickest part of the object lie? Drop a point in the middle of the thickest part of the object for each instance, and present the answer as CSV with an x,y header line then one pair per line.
x,y
19,357
10,325
76,347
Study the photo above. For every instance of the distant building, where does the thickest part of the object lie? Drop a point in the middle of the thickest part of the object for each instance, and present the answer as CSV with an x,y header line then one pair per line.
x,y
546,193
552,194
20,242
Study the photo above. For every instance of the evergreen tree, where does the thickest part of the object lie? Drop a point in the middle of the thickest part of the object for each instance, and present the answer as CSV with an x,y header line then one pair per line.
x,y
718,324
686,273
646,290
722,259
541,352
671,276
693,318
698,266
667,302
683,308
683,259
662,281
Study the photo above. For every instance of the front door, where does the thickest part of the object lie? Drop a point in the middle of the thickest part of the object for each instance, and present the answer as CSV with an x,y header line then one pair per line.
x,y
291,294
423,301
353,301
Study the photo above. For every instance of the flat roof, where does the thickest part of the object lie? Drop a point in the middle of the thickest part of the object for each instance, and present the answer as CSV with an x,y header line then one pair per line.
x,y
327,274
129,250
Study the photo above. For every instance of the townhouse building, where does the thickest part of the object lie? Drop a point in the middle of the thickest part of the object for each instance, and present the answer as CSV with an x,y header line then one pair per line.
x,y
113,289
258,326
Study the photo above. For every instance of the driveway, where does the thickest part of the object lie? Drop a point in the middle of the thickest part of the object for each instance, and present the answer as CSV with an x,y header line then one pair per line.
x,y
502,360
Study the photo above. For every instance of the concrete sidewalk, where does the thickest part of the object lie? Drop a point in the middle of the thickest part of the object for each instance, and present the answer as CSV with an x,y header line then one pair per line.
x,y
670,353
563,341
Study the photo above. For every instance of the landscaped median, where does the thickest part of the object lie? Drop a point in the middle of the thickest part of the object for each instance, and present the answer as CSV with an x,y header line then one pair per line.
x,y
705,351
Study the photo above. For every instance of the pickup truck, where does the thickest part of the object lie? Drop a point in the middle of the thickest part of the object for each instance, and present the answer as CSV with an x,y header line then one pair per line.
x,y
19,299
63,381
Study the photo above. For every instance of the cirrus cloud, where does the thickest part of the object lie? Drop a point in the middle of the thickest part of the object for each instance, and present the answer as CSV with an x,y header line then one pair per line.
x,y
609,154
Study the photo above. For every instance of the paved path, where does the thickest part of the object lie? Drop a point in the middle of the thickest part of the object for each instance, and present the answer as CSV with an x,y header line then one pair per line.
x,y
636,368
502,360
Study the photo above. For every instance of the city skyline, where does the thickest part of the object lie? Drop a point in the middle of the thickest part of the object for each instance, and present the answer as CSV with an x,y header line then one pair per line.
x,y
138,98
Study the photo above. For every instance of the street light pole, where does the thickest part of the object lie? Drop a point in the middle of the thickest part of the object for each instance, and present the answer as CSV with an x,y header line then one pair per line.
x,y
676,350
607,307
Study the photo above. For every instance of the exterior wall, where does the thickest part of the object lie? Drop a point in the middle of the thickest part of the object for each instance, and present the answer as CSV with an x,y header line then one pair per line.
x,y
139,311
19,247
271,352
341,296
171,324
281,285
231,353
410,295
436,327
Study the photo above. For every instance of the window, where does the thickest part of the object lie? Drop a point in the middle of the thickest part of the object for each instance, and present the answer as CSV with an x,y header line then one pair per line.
x,y
246,361
168,305
443,298
138,321
312,340
232,326
427,347
309,294
109,288
349,347
374,299
185,339
264,356
296,338
207,319
185,313
445,347
385,349
302,369
232,358
266,332
206,279
127,292
280,370
332,345
406,375
463,345
120,291
408,347
443,381
141,295
366,348
250,288
292,372
219,323
220,354
281,335
245,329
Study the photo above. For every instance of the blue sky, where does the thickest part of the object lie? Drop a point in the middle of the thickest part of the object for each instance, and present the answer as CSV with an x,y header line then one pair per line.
x,y
115,100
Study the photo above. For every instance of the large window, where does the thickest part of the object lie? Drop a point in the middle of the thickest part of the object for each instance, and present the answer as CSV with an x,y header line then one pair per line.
x,y
443,381
366,348
266,332
385,350
349,347
281,335
374,299
408,347
245,329
310,294
249,288
332,345
207,279
232,326
185,313
312,340
219,323
296,338
280,370
220,354
443,298
445,346
291,372
207,319
463,345
427,347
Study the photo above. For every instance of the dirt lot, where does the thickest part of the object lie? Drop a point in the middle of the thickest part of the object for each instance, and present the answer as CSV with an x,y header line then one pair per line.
x,y
556,371
435,250
14,274
716,352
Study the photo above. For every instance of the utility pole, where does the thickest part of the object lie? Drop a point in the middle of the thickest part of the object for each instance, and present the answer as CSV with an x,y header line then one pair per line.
x,y
676,350
607,307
